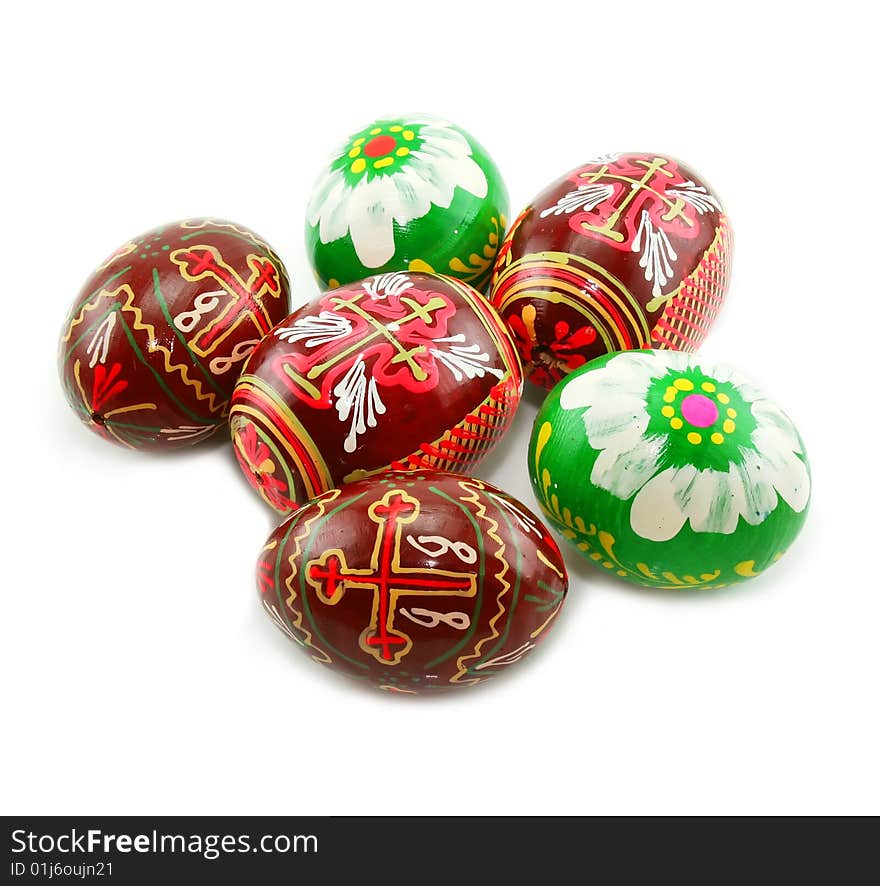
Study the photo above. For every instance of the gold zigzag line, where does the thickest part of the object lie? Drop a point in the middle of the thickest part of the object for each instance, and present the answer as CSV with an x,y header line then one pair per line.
x,y
505,567
140,325
199,224
300,534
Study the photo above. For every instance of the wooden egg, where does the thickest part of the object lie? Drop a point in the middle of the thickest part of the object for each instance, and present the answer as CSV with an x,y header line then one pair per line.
x,y
669,471
413,582
628,251
156,338
410,192
401,370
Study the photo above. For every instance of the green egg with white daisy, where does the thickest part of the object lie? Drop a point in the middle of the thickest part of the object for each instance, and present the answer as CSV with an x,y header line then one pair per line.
x,y
669,471
407,193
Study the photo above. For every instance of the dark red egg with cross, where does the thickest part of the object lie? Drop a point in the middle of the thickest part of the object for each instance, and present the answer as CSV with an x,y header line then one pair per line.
x,y
157,336
413,581
627,251
400,370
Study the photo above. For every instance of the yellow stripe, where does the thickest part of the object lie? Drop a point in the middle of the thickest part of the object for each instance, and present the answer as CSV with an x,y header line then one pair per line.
x,y
137,323
612,287
253,383
588,309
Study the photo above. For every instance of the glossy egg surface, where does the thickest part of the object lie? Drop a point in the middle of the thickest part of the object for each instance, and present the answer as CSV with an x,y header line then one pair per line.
x,y
628,251
156,338
411,192
399,370
668,470
414,581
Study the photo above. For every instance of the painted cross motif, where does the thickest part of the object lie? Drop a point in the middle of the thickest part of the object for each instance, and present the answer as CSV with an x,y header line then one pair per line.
x,y
385,578
653,169
238,299
386,331
391,336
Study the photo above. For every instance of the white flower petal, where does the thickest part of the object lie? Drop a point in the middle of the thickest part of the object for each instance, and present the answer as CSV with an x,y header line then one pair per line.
x,y
792,482
723,372
657,513
774,429
427,170
676,361
714,501
648,365
372,233
438,151
629,378
424,120
470,177
371,215
783,470
334,214
694,495
426,183
616,422
758,478
454,172
622,472
445,140
324,187
414,195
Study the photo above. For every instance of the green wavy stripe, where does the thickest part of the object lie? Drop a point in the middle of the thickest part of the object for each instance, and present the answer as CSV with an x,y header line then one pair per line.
x,y
163,305
302,576
161,381
91,328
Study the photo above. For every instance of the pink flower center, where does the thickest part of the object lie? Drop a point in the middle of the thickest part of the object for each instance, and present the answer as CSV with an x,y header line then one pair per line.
x,y
699,411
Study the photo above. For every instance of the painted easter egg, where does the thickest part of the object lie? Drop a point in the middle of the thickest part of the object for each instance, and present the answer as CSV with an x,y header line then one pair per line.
x,y
399,370
669,471
407,193
413,582
628,251
157,336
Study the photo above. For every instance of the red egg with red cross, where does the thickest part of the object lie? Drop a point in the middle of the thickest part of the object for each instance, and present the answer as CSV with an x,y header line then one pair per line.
x,y
414,582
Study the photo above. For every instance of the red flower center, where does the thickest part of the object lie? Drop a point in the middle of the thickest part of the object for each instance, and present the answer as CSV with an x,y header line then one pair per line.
x,y
380,146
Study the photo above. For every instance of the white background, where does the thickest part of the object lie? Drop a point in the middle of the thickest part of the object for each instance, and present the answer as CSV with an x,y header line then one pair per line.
x,y
139,673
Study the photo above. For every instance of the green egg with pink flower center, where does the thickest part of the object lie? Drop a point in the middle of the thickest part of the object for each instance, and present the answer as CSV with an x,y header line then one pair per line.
x,y
407,193
668,470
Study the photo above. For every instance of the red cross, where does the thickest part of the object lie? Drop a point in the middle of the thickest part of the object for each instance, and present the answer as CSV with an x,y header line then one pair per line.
x,y
200,262
267,276
331,576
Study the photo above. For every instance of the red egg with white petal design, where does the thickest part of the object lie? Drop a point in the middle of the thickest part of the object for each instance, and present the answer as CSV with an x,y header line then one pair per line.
x,y
401,370
628,251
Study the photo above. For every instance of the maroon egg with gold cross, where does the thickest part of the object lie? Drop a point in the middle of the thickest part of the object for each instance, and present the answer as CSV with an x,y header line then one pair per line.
x,y
627,251
157,336
414,581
